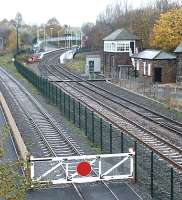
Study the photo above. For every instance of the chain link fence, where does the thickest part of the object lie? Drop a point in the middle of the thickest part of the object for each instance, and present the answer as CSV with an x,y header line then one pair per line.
x,y
171,94
153,174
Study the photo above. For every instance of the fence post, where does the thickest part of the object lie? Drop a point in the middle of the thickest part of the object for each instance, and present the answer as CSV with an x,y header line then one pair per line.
x,y
79,119
135,149
69,107
172,184
60,99
85,120
42,80
49,92
152,173
92,126
52,93
122,143
56,96
39,83
46,88
64,103
110,135
101,145
74,111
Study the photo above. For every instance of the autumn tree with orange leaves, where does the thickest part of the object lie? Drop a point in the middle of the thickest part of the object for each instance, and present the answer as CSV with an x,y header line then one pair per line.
x,y
167,32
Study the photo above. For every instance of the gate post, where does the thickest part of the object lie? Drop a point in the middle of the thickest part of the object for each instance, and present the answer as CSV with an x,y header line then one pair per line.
x,y
152,174
101,145
110,136
122,143
27,169
172,184
135,172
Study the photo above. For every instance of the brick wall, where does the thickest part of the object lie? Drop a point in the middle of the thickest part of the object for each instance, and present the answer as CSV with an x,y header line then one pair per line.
x,y
119,59
179,67
168,70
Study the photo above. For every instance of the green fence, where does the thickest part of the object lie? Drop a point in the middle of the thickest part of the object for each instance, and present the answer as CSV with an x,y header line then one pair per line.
x,y
153,174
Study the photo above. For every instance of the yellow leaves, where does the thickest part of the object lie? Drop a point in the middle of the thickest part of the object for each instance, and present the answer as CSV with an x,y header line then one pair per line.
x,y
12,40
167,30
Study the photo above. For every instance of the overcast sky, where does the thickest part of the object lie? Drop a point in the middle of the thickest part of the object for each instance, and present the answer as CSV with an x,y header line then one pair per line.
x,y
72,12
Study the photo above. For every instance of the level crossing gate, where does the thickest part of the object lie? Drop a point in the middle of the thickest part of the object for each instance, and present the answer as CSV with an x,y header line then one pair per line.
x,y
82,169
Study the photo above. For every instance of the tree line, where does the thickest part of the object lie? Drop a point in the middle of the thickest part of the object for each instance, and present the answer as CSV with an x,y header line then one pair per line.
x,y
28,33
141,21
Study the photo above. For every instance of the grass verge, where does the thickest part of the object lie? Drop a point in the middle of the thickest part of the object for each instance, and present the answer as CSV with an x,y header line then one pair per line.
x,y
77,64
7,64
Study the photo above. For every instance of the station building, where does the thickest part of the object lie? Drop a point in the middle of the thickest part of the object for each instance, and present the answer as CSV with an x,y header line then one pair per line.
x,y
118,46
155,65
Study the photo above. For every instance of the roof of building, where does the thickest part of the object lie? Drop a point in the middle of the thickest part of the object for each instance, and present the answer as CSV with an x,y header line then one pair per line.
x,y
121,34
151,54
179,48
93,56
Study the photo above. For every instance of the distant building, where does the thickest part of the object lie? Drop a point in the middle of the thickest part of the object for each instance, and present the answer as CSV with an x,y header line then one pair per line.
x,y
93,64
1,43
178,52
118,46
155,65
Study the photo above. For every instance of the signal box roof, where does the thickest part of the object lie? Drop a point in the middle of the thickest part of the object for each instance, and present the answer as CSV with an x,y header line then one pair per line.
x,y
121,34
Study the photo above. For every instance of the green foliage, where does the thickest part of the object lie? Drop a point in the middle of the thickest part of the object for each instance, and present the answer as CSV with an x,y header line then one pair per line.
x,y
5,133
23,57
77,64
13,185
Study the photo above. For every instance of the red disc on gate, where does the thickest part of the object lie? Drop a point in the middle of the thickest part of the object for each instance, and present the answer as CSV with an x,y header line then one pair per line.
x,y
84,168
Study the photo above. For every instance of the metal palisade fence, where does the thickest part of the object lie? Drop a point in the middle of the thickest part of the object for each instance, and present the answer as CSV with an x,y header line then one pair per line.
x,y
153,174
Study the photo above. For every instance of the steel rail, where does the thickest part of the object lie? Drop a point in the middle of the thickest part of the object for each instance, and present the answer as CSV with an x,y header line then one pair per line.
x,y
45,140
119,97
176,131
162,140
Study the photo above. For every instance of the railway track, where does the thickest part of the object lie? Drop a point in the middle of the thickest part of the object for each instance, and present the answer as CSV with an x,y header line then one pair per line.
x,y
52,140
168,151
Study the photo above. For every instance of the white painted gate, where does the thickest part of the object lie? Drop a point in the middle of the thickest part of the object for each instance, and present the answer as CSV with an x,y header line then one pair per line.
x,y
82,169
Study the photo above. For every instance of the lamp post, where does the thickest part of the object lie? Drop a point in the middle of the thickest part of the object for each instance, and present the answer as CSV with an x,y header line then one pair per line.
x,y
18,20
80,39
51,32
44,38
38,35
58,37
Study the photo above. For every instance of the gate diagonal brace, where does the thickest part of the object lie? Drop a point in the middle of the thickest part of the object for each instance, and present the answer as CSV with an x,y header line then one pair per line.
x,y
114,167
49,171
100,175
